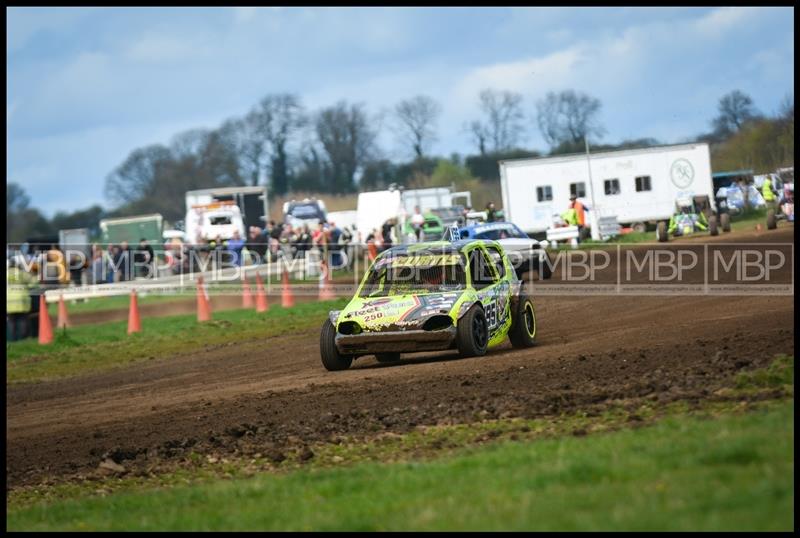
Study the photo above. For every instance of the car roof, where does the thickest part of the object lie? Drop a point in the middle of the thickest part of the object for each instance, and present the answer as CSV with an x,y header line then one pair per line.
x,y
444,247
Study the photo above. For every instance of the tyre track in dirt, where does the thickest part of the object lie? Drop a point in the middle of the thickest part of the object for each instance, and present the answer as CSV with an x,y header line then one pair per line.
x,y
272,395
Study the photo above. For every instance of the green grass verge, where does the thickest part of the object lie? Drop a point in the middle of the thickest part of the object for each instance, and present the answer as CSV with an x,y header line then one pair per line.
x,y
730,472
94,347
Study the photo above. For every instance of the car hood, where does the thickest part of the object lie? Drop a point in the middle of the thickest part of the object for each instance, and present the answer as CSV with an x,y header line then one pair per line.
x,y
399,312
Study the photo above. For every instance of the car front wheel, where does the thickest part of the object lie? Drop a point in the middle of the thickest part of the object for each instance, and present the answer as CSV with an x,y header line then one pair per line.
x,y
472,335
331,358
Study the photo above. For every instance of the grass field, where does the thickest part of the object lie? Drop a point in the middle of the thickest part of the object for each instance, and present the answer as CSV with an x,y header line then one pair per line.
x,y
95,347
707,471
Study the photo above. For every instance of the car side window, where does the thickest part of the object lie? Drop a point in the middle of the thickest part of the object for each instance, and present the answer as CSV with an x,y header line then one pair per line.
x,y
497,260
482,272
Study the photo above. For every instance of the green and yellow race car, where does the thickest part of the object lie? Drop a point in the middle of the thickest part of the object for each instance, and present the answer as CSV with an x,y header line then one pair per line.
x,y
462,295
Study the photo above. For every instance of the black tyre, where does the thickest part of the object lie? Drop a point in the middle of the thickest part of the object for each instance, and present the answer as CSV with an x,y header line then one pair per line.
x,y
639,227
472,336
725,222
772,221
712,225
331,358
523,323
387,357
661,232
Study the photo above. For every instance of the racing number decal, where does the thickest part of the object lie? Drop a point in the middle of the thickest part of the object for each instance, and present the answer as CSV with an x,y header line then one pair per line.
x,y
491,314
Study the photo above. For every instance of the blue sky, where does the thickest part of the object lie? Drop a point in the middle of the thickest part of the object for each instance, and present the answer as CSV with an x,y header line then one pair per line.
x,y
87,86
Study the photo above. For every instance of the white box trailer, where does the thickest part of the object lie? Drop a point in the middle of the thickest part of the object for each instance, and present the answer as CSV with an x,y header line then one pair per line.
x,y
638,186
376,207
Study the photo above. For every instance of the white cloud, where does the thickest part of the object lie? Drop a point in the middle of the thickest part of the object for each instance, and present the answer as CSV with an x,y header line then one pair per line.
x,y
166,48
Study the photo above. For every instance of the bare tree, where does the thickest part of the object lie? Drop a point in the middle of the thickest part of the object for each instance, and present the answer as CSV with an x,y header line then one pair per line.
x,y
242,135
345,135
503,120
786,108
734,110
479,133
416,122
136,177
568,117
279,117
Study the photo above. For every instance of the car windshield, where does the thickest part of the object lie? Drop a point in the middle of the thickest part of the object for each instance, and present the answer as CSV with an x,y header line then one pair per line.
x,y
220,220
306,211
413,274
499,231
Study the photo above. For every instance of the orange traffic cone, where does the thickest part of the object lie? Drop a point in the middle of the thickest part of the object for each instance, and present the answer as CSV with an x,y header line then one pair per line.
x,y
45,327
247,297
261,295
63,318
134,323
287,299
325,291
203,306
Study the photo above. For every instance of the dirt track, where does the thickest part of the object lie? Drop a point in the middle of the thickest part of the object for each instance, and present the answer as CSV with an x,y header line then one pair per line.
x,y
272,395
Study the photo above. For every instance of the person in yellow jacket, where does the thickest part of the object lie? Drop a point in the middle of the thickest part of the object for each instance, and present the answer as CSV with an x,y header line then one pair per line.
x,y
768,193
18,301
570,216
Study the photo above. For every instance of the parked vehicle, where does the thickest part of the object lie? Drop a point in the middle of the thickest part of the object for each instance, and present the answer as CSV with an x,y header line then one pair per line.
x,y
526,254
306,212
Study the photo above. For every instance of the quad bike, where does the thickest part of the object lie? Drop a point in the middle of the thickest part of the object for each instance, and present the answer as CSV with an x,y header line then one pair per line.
x,y
692,217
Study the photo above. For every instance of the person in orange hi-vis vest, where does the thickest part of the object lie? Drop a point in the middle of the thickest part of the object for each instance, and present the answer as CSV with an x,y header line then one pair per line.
x,y
580,212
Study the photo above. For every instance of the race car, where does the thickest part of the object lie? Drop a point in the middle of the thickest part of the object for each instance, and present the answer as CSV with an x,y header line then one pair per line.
x,y
433,296
688,220
525,254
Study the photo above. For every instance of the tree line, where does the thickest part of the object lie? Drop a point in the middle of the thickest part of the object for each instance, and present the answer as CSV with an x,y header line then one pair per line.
x,y
282,144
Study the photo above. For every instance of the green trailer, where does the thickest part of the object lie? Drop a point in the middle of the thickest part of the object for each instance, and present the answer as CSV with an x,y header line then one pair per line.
x,y
133,229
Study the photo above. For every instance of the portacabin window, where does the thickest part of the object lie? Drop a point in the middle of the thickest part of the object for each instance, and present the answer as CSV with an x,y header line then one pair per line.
x,y
611,186
578,189
544,193
643,184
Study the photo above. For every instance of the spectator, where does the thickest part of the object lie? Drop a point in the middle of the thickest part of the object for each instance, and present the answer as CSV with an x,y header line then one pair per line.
x,y
303,242
123,262
235,246
18,300
99,268
111,256
335,235
257,245
417,221
274,238
491,212
386,234
144,259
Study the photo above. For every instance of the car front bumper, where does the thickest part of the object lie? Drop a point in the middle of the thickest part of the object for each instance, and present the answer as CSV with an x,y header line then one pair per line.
x,y
395,341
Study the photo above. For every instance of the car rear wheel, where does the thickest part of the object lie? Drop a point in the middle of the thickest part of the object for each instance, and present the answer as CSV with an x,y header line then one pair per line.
x,y
472,337
661,232
712,225
331,358
387,357
725,221
523,324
